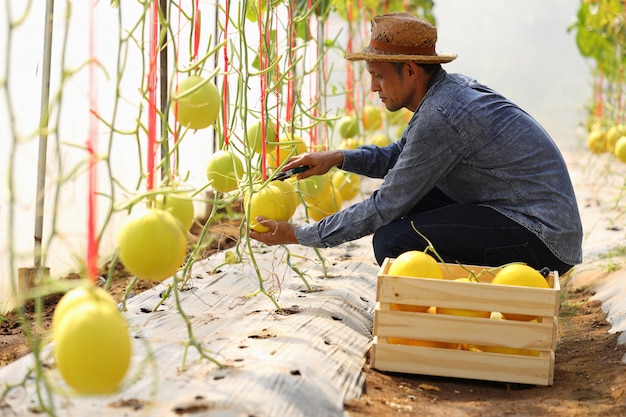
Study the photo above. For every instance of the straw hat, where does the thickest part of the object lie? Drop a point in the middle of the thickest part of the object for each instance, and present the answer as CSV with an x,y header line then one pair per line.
x,y
401,37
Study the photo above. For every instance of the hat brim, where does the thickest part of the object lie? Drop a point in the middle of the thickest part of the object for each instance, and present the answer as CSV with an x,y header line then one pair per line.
x,y
371,54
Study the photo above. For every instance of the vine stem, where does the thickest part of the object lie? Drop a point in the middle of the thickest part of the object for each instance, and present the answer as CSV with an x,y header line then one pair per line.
x,y
192,341
430,247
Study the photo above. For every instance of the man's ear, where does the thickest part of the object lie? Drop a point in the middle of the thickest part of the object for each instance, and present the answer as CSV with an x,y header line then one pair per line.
x,y
413,70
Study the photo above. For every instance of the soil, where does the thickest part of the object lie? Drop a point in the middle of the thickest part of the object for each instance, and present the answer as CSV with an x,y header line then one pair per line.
x,y
589,379
589,375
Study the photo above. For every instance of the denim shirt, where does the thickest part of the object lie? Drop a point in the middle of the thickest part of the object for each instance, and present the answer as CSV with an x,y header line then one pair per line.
x,y
478,148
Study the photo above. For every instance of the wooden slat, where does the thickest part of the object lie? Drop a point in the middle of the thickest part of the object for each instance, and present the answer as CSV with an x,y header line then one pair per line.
x,y
463,364
473,296
453,271
459,329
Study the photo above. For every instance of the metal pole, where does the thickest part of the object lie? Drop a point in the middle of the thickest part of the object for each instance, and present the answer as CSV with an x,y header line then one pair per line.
x,y
43,132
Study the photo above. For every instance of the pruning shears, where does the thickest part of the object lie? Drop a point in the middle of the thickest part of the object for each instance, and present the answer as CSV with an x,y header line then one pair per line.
x,y
283,175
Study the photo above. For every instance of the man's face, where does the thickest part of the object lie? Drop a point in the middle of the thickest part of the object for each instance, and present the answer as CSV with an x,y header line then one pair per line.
x,y
388,83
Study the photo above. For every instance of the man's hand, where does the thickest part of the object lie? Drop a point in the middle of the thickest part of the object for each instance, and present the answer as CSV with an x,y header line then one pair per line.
x,y
280,233
319,163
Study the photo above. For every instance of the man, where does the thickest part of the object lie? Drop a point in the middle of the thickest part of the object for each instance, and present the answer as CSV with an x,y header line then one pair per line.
x,y
473,173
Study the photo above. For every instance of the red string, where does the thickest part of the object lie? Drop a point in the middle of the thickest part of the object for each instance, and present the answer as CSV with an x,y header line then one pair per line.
x,y
314,84
262,66
225,82
599,95
325,137
349,69
289,112
92,239
291,40
278,107
357,90
196,32
152,85
312,135
620,96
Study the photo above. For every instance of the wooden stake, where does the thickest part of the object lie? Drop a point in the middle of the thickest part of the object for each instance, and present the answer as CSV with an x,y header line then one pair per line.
x,y
29,278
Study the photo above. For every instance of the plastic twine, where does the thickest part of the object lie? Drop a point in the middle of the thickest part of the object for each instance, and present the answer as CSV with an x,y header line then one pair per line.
x,y
91,145
152,85
195,48
325,72
291,40
225,80
349,68
360,35
620,96
600,95
278,102
196,31
313,83
263,88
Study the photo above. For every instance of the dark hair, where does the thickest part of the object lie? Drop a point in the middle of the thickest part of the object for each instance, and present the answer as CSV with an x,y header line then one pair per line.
x,y
428,68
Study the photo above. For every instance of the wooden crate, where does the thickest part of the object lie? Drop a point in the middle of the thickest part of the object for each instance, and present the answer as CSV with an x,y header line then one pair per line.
x,y
454,345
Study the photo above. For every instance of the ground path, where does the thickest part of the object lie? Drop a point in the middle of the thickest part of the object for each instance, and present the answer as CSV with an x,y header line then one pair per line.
x,y
305,360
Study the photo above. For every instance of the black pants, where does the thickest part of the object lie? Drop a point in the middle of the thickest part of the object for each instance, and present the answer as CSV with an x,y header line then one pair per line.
x,y
465,233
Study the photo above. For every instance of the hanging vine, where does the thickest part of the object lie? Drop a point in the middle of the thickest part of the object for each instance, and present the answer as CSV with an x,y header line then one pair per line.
x,y
601,37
